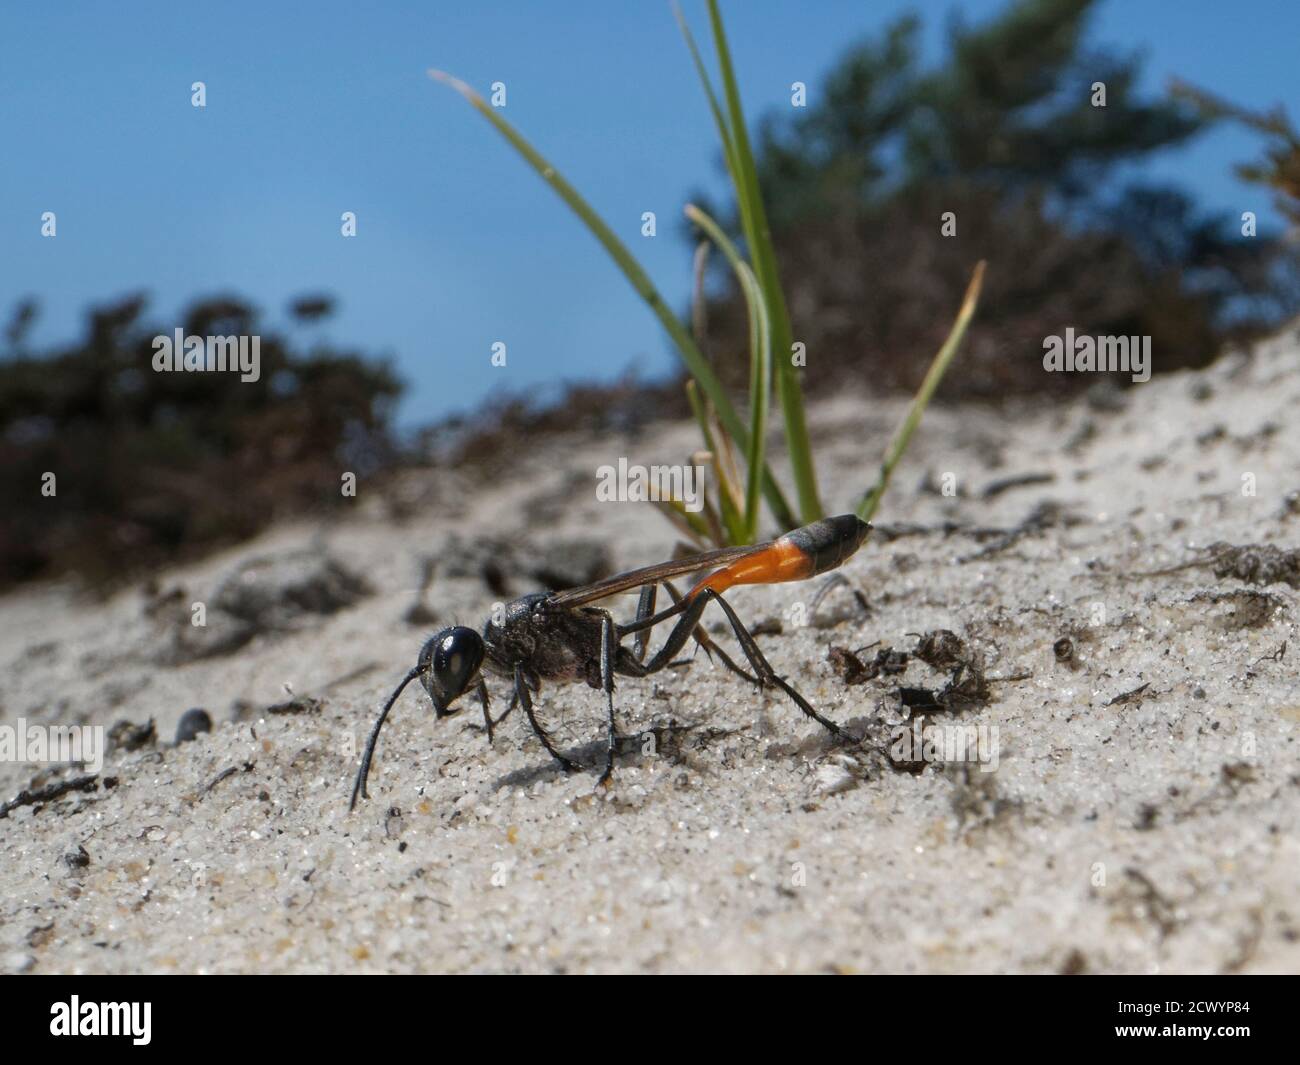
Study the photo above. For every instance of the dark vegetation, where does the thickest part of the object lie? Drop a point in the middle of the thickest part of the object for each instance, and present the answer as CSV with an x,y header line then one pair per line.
x,y
151,466
1002,133
1005,135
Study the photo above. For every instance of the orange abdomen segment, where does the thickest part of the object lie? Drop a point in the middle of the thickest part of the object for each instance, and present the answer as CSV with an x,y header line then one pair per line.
x,y
796,556
782,561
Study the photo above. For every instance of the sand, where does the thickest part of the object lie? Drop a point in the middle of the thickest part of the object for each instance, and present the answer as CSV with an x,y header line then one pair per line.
x,y
1122,830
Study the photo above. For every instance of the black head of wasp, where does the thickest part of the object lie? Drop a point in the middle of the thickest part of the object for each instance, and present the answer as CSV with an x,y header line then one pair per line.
x,y
561,636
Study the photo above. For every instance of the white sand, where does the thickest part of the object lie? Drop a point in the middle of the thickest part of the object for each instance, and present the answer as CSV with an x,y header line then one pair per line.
x,y
1110,838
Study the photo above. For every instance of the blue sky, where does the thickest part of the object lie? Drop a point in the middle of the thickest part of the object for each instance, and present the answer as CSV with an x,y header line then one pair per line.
x,y
320,109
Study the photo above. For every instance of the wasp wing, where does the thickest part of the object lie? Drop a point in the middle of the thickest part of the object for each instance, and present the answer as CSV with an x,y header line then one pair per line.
x,y
662,571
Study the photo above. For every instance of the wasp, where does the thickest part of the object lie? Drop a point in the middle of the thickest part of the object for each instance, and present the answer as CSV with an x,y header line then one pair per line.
x,y
564,637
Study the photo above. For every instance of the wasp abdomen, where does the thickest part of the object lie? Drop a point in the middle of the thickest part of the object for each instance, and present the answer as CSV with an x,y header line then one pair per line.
x,y
829,542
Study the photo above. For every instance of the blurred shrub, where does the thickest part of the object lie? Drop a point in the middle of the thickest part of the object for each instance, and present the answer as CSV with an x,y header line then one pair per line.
x,y
1005,135
1280,169
151,465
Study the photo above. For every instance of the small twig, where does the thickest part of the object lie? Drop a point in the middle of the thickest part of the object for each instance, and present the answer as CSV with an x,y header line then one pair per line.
x,y
1024,480
229,771
1043,516
1276,656
1130,696
50,791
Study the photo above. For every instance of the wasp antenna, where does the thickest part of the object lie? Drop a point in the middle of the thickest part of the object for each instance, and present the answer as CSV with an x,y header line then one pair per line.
x,y
359,788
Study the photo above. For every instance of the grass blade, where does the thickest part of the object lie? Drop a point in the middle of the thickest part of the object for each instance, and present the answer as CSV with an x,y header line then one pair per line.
x,y
695,361
933,376
760,370
699,304
724,134
692,526
758,237
720,456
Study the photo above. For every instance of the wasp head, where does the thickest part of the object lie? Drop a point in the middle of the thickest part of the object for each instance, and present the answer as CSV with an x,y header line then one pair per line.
x,y
449,664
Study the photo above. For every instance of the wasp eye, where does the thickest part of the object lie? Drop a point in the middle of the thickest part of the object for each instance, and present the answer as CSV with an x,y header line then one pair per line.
x,y
451,661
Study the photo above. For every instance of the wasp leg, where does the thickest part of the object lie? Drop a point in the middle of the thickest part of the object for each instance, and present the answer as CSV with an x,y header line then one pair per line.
x,y
487,714
709,647
487,717
764,669
645,611
608,644
645,606
645,624
766,674
526,700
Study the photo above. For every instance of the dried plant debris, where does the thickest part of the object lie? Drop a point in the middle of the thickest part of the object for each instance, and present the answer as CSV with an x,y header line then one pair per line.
x,y
226,774
1045,515
1247,608
769,626
942,649
128,736
1135,695
968,688
1251,563
297,704
1256,563
1147,816
887,532
1278,654
853,670
37,796
847,665
1025,480
920,700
